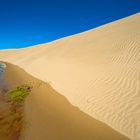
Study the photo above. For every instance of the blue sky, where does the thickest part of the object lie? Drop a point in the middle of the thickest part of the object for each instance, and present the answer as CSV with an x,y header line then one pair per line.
x,y
30,22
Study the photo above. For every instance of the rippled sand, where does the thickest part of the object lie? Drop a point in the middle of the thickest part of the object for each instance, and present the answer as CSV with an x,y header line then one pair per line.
x,y
49,116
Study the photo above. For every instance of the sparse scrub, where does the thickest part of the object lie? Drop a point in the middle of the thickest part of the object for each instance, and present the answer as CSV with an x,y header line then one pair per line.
x,y
12,122
19,93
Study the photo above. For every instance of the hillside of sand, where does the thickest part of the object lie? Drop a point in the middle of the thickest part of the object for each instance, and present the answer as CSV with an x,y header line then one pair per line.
x,y
98,71
49,115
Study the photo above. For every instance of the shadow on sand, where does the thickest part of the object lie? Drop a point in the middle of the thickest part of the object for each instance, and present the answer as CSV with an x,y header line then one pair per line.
x,y
49,116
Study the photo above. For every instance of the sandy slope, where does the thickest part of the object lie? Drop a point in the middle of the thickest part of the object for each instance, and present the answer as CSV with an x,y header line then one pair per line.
x,y
49,115
98,71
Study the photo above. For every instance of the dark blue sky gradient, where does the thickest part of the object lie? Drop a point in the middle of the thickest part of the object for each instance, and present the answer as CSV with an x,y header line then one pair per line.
x,y
30,22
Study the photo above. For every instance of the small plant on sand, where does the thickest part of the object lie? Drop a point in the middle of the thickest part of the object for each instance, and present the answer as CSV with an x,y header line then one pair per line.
x,y
19,93
15,98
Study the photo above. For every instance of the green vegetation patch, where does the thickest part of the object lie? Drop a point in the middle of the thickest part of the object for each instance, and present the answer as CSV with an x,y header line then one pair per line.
x,y
19,93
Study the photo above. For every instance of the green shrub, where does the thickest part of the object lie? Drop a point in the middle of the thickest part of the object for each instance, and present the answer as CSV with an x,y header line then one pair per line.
x,y
19,93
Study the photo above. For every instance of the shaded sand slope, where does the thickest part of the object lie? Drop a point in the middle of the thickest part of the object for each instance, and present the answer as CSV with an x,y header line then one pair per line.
x,y
98,71
6,119
10,120
49,115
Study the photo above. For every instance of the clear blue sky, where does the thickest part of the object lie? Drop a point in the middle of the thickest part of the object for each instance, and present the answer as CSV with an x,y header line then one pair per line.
x,y
30,22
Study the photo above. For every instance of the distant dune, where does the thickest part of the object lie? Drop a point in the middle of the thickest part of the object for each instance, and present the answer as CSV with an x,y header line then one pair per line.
x,y
98,71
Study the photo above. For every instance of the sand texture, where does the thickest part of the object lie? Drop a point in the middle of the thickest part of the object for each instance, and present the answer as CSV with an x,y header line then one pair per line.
x,y
98,71
49,116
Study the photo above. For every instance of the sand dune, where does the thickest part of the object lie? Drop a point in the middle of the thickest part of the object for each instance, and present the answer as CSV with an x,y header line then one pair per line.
x,y
49,115
98,71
